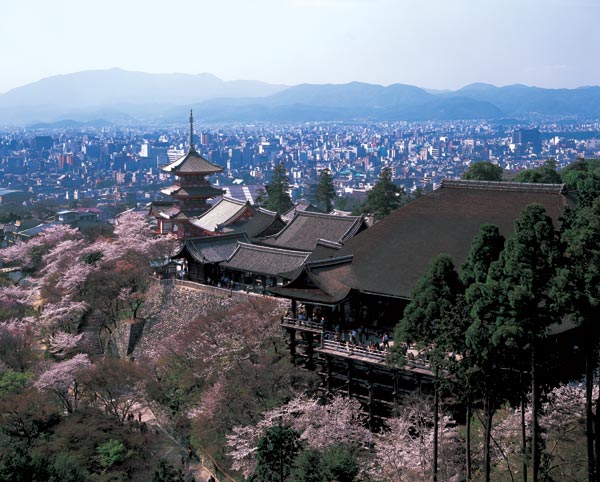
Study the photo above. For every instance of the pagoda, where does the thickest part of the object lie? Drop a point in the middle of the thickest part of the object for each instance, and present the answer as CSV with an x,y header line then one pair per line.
x,y
190,191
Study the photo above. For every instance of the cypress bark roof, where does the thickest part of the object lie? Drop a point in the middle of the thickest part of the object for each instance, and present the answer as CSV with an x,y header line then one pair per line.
x,y
211,249
390,257
325,282
264,260
263,223
306,228
300,206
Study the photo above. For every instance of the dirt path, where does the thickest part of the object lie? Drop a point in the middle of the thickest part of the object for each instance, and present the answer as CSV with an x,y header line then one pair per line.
x,y
168,448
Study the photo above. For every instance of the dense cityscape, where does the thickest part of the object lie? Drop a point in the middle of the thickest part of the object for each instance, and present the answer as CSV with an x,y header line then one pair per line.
x,y
120,166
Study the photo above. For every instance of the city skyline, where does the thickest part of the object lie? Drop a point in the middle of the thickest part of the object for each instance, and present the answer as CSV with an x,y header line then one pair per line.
x,y
440,45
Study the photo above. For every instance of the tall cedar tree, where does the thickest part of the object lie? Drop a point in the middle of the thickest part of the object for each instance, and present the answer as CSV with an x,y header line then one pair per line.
x,y
424,322
512,311
385,196
325,191
485,249
483,171
278,196
577,292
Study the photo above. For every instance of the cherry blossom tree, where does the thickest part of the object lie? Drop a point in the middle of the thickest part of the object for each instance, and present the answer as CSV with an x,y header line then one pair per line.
x,y
65,315
403,448
17,345
62,379
115,385
63,345
563,419
320,426
29,254
225,336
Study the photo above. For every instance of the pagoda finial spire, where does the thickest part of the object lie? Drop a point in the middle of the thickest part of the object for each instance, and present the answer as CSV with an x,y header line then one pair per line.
x,y
191,131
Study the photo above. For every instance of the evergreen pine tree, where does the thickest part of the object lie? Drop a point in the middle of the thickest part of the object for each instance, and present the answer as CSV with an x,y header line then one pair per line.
x,y
385,196
278,196
325,191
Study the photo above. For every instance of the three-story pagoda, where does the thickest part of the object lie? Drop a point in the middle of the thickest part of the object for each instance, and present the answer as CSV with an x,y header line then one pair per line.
x,y
190,190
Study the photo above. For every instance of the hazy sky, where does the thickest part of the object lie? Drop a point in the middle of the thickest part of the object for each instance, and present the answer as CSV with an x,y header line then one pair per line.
x,y
429,43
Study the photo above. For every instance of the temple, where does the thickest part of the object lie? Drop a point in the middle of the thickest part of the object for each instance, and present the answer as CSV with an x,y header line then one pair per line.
x,y
190,192
348,296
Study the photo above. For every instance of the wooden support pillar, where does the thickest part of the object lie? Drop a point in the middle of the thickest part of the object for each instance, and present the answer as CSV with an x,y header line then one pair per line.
x,y
309,348
349,376
395,393
292,346
370,402
295,309
328,373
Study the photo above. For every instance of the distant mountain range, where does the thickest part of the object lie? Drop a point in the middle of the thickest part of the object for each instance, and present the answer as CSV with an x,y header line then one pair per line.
x,y
102,97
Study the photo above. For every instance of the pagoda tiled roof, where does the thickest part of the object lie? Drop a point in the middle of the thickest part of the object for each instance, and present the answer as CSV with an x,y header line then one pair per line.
x,y
192,191
164,210
306,228
192,163
264,260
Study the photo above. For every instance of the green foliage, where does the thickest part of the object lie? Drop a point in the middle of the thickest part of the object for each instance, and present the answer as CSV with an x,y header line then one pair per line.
x,y
348,203
275,454
338,462
112,452
483,171
13,382
92,258
325,195
485,248
433,296
545,174
278,196
385,196
583,176
22,466
177,387
165,472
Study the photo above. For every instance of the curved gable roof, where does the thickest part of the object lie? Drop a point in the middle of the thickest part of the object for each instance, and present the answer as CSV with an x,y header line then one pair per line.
x,y
223,212
306,228
264,260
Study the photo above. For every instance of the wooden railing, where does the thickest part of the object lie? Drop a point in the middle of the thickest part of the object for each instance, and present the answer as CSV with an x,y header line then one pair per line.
x,y
291,321
351,349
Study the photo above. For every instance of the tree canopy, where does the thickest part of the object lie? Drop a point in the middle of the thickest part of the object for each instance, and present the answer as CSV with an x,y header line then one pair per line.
x,y
278,195
483,171
545,174
325,195
385,196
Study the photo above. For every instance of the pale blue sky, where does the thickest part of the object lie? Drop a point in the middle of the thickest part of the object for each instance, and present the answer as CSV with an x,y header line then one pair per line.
x,y
429,43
